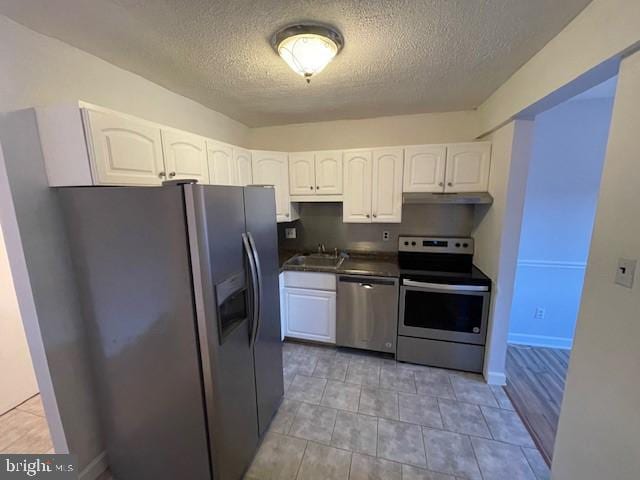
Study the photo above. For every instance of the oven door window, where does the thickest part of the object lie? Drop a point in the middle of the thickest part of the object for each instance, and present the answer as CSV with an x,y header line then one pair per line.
x,y
443,311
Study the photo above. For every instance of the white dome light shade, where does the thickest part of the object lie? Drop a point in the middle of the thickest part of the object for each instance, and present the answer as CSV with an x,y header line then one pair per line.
x,y
307,54
307,49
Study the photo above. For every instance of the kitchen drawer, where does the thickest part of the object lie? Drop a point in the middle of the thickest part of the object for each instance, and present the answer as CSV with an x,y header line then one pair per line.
x,y
311,280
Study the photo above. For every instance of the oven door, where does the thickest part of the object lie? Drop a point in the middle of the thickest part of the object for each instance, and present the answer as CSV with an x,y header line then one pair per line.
x,y
456,313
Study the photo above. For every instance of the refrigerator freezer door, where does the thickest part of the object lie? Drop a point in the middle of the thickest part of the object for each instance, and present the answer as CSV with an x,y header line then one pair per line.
x,y
130,252
215,217
260,209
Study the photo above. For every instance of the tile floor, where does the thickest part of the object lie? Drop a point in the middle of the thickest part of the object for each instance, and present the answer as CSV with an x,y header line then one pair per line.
x,y
355,416
24,429
351,415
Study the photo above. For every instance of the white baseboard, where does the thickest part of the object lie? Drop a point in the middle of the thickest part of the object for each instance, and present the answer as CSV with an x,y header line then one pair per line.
x,y
540,341
496,378
96,467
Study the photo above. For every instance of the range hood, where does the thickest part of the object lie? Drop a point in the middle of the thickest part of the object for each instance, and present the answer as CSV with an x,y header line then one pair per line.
x,y
473,198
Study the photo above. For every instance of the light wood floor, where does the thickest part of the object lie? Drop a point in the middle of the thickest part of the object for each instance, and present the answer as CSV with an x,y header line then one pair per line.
x,y
535,384
24,429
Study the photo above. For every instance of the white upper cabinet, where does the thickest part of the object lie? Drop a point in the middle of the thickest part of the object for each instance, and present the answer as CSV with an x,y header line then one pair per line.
x,y
242,159
315,174
386,192
222,167
123,151
302,173
328,173
468,167
358,167
185,156
424,168
272,168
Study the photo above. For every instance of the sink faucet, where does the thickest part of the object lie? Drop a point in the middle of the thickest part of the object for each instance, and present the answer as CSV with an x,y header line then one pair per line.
x,y
321,248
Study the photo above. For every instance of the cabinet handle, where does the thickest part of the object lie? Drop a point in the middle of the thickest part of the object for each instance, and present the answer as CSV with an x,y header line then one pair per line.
x,y
450,184
375,216
440,184
162,174
317,188
286,215
172,174
311,188
368,215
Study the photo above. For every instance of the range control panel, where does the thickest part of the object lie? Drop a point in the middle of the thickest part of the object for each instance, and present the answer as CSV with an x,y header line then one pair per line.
x,y
460,245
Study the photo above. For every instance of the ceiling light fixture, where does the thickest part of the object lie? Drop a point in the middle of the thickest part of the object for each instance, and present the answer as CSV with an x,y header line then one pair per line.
x,y
307,48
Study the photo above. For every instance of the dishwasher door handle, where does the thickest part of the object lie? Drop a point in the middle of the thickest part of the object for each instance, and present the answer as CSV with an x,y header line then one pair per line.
x,y
368,286
367,281
446,286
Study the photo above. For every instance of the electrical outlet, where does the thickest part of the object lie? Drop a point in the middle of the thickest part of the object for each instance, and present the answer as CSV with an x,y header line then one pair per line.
x,y
540,313
385,236
626,271
290,232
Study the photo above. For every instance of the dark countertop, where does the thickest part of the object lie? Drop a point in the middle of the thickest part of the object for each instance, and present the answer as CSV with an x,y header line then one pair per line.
x,y
357,263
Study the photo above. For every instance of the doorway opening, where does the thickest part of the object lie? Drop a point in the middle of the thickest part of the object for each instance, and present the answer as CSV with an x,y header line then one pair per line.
x,y
563,183
23,423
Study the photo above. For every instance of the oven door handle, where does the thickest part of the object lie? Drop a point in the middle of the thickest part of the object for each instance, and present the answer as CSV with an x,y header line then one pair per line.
x,y
446,287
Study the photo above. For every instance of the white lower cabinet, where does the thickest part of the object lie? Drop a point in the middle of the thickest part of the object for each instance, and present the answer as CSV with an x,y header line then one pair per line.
x,y
283,323
308,306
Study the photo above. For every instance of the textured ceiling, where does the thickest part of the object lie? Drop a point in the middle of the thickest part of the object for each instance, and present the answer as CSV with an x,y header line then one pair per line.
x,y
400,56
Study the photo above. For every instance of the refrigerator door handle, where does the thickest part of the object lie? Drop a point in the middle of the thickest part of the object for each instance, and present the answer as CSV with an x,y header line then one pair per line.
x,y
254,288
256,257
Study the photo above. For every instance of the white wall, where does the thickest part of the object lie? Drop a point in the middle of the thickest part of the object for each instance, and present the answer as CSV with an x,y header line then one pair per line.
x,y
600,420
560,204
16,370
497,234
370,132
39,70
602,31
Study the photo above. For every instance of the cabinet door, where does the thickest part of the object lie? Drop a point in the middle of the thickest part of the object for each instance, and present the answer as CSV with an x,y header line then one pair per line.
x,y
310,314
424,167
356,207
329,173
272,168
185,156
468,167
386,195
222,168
302,173
242,160
123,151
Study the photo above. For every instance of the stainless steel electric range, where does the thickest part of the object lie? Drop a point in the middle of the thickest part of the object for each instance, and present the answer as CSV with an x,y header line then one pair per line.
x,y
444,303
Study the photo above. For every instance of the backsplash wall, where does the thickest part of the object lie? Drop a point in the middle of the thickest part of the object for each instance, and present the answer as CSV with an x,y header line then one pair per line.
x,y
322,223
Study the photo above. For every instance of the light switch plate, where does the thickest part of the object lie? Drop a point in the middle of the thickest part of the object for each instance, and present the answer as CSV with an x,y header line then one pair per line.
x,y
290,232
626,272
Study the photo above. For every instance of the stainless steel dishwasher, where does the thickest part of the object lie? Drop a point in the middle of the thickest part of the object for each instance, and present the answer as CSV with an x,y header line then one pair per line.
x,y
367,314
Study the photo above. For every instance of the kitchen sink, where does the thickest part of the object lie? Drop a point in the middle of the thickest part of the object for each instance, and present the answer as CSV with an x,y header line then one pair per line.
x,y
316,260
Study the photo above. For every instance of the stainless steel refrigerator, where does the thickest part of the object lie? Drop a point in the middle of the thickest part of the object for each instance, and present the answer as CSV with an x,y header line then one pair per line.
x,y
180,295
